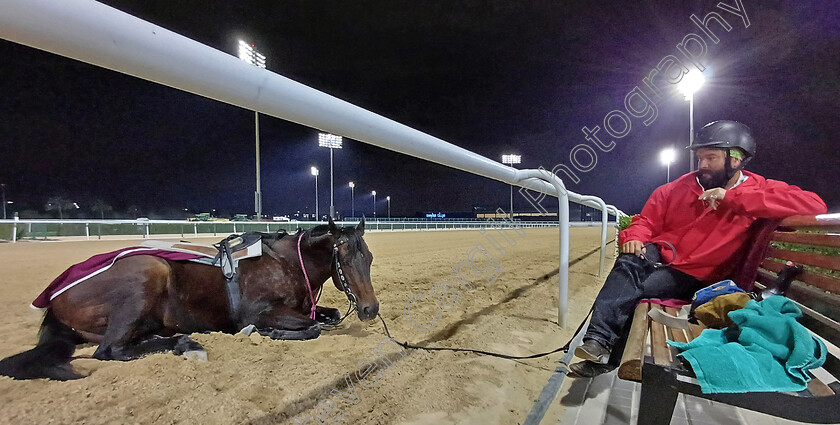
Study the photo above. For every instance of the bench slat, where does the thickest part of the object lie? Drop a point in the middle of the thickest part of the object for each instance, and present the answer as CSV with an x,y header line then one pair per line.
x,y
818,389
765,278
634,351
827,328
819,280
659,349
824,222
675,334
809,258
696,330
808,238
827,305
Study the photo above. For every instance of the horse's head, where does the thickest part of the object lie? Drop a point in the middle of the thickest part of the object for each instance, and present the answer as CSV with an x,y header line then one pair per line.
x,y
351,268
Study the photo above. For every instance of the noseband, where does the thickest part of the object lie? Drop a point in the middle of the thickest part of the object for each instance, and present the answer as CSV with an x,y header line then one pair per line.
x,y
340,272
341,278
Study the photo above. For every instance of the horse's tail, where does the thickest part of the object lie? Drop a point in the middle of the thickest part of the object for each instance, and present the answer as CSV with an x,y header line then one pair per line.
x,y
50,358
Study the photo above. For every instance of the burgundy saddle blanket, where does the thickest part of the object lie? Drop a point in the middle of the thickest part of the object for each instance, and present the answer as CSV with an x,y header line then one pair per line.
x,y
85,270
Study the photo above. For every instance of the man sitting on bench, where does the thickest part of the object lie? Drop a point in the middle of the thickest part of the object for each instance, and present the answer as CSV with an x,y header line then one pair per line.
x,y
694,226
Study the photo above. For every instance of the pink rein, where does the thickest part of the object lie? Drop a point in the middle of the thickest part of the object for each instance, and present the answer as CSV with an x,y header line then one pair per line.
x,y
308,285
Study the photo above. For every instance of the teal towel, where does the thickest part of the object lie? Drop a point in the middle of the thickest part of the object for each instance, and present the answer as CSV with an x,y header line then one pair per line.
x,y
766,350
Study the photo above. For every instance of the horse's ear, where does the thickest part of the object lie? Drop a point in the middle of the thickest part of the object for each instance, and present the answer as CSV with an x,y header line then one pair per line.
x,y
333,228
361,227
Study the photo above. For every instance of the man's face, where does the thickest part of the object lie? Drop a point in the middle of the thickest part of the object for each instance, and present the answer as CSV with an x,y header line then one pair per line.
x,y
710,168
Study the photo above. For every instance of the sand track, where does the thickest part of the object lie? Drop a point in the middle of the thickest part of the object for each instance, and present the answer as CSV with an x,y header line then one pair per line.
x,y
261,381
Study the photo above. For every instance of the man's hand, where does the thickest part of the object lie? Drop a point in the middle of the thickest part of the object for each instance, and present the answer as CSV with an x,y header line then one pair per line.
x,y
712,197
633,247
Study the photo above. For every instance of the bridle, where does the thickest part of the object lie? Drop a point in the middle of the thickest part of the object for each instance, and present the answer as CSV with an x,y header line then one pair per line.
x,y
336,260
340,272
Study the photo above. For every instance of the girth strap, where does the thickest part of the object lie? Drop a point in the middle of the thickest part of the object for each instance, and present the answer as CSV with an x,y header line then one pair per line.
x,y
229,270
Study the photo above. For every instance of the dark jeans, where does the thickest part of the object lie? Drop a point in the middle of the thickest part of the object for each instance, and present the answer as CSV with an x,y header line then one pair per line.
x,y
633,279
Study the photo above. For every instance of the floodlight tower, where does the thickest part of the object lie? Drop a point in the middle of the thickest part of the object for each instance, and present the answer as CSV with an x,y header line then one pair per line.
x,y
510,160
374,203
690,83
314,171
667,157
250,55
388,198
352,199
326,140
3,190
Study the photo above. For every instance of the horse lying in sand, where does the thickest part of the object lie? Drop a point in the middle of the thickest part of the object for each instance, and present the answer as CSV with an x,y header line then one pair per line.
x,y
144,304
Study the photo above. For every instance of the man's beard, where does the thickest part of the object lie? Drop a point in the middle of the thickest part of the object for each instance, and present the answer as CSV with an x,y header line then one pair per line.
x,y
712,179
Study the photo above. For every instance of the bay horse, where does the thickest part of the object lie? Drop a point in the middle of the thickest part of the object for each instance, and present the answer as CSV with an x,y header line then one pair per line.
x,y
143,303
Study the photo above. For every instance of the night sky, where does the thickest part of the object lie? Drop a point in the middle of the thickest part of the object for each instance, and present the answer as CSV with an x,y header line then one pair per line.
x,y
491,76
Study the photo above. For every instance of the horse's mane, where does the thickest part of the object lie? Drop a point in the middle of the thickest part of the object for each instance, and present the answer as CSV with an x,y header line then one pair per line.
x,y
319,230
323,229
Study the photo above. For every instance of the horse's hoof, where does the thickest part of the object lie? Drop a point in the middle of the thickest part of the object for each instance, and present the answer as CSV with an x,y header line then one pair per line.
x,y
186,344
328,316
196,355
248,330
284,334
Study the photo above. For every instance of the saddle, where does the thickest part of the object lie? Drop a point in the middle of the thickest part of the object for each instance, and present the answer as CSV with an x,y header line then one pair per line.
x,y
226,255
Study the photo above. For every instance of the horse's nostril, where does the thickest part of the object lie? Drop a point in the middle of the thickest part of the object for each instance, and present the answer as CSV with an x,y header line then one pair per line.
x,y
370,310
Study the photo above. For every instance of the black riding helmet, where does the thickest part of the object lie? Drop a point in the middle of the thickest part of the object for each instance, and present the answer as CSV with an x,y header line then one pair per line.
x,y
726,134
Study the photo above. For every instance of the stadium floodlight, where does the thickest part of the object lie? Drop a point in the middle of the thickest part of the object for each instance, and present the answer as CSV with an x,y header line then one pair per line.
x,y
510,160
314,172
352,199
667,156
690,83
331,141
327,140
374,203
388,198
251,56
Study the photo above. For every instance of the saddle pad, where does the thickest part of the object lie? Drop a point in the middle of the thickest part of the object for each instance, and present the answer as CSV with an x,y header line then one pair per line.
x,y
85,270
253,250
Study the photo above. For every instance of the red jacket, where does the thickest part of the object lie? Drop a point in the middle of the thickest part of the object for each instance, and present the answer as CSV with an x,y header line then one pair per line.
x,y
706,239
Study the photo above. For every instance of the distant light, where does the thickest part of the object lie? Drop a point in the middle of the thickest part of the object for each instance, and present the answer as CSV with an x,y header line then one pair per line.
x,y
690,83
667,156
511,159
373,193
314,171
328,140
248,54
9,202
352,184
387,198
76,205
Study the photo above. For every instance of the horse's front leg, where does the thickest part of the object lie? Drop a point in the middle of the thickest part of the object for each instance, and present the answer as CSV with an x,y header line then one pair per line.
x,y
327,315
285,323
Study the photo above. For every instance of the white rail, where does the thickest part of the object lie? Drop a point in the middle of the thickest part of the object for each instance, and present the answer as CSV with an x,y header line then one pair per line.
x,y
141,229
100,35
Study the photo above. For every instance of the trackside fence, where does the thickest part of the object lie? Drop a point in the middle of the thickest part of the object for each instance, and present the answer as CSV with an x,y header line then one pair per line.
x,y
14,230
